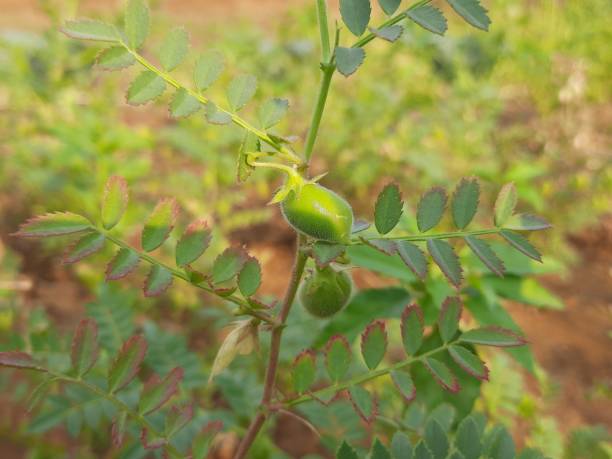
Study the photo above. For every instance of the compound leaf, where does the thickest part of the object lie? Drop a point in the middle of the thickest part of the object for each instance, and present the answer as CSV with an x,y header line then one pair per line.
x,y
240,91
445,257
87,245
304,371
465,202
430,208
249,278
85,349
272,111
429,18
124,262
53,224
227,265
521,244
174,48
448,322
388,208
158,281
114,58
412,328
337,357
183,104
88,29
114,201
469,362
374,344
389,6
505,204
442,374
486,254
137,22
472,11
208,69
404,383
413,257
156,392
159,224
348,60
193,243
493,336
356,15
127,363
363,402
145,87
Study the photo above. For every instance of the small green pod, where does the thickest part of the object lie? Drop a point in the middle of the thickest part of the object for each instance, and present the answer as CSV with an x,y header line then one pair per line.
x,y
319,213
325,292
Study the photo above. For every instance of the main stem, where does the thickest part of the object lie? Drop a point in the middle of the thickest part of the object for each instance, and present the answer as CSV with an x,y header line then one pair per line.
x,y
275,343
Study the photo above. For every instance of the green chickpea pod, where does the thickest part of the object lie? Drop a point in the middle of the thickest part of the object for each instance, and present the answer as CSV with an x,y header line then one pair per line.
x,y
325,292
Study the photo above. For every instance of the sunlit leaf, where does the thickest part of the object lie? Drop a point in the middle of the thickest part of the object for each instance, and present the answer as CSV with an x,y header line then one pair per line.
x,y
137,22
146,86
115,58
208,69
158,281
124,262
114,201
240,91
193,243
159,224
184,104
53,224
227,265
272,111
174,48
88,29
216,116
505,204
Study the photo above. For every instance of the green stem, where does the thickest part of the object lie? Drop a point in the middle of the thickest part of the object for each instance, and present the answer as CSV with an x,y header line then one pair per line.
x,y
245,307
317,114
362,378
423,238
324,31
140,419
263,135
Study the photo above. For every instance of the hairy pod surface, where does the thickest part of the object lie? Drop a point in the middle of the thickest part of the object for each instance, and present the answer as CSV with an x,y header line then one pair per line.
x,y
319,213
325,292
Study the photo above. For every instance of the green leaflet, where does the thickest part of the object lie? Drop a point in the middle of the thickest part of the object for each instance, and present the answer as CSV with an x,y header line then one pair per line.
x,y
324,253
158,281
505,204
216,116
53,224
389,33
493,336
124,262
389,6
272,111
159,224
356,15
374,344
114,315
115,58
193,243
183,104
363,403
127,363
84,349
430,208
87,29
208,69
348,60
467,439
145,87
404,383
249,278
337,357
388,208
379,451
114,201
521,244
486,254
445,257
87,245
227,265
473,12
469,362
174,48
240,91
304,371
429,18
436,439
157,392
136,22
346,452
448,322
465,202
442,374
413,257
412,329
401,448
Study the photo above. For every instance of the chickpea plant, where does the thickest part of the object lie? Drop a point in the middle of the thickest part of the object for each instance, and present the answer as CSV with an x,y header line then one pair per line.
x,y
325,228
